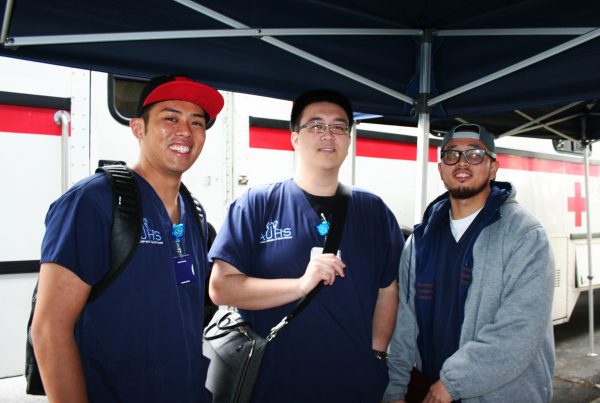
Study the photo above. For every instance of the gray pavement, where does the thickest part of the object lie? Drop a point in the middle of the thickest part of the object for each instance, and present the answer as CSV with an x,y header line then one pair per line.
x,y
12,390
577,377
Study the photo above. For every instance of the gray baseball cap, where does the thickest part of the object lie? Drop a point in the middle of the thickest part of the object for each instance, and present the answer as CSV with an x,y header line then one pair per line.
x,y
470,131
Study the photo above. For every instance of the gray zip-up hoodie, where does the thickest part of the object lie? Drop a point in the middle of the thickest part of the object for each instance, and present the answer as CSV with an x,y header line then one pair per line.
x,y
506,349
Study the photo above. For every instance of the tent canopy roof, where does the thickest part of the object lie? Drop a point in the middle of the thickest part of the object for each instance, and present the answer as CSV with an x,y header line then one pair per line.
x,y
237,46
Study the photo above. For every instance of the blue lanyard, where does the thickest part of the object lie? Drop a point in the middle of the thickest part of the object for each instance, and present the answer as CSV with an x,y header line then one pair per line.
x,y
323,228
177,232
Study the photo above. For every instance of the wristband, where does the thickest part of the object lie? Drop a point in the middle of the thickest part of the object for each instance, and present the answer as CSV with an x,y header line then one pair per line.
x,y
381,355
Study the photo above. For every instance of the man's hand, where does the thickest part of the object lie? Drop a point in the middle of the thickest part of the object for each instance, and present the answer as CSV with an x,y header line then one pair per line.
x,y
438,394
323,267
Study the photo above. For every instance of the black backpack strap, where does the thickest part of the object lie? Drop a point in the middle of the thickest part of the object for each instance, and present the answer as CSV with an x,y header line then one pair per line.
x,y
208,235
126,223
125,234
199,216
34,385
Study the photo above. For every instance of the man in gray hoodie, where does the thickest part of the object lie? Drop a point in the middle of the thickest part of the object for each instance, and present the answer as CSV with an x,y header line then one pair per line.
x,y
476,286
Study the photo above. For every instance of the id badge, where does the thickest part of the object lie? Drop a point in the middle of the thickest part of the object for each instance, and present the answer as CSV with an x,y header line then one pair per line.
x,y
184,269
317,250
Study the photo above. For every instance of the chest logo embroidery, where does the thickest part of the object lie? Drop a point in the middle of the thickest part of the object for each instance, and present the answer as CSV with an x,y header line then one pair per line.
x,y
150,235
273,233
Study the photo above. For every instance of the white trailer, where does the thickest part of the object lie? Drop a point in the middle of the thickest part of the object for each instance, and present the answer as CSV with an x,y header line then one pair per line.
x,y
249,144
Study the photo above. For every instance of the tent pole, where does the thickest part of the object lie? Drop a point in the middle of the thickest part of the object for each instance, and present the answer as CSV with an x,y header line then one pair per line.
x,y
37,40
422,165
591,35
532,122
300,53
590,277
354,140
424,112
6,20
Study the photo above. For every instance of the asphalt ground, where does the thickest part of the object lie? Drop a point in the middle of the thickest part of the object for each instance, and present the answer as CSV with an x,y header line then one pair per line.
x,y
576,379
577,376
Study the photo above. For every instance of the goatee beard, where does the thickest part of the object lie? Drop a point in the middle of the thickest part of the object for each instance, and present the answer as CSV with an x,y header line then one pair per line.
x,y
463,193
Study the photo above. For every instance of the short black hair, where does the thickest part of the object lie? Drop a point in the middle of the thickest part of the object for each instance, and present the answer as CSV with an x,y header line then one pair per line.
x,y
320,95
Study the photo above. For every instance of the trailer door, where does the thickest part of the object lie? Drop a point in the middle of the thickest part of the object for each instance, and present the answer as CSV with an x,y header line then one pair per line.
x,y
33,175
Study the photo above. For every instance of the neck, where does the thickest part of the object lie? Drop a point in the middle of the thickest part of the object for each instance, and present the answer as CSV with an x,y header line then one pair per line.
x,y
461,208
318,185
165,186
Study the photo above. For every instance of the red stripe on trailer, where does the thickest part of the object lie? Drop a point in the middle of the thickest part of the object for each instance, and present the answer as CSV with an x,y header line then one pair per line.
x,y
272,139
543,165
26,119
279,139
391,150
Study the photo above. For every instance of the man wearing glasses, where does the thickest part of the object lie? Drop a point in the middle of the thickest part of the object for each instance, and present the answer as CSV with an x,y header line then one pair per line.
x,y
476,283
267,256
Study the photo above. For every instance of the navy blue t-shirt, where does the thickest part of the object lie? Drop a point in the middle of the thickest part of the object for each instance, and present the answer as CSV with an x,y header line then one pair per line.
x,y
324,354
442,286
141,340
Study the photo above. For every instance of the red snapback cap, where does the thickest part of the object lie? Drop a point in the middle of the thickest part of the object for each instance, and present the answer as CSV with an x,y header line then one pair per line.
x,y
165,88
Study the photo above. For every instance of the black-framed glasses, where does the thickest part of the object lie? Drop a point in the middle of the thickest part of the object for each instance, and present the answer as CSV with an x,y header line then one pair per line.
x,y
473,156
320,127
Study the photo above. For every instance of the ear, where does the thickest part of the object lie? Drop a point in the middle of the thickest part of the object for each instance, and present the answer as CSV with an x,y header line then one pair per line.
x,y
137,127
440,168
493,169
294,138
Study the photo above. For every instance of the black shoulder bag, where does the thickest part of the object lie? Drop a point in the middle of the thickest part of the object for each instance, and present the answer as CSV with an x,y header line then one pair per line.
x,y
235,350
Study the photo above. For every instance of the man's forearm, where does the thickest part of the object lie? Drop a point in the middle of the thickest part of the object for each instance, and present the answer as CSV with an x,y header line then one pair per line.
x,y
61,298
60,367
384,317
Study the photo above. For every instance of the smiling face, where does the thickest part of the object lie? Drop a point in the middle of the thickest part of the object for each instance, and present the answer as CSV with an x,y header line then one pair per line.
x,y
172,138
324,151
466,181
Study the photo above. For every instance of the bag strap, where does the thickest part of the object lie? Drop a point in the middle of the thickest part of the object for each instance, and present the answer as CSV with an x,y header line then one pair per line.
x,y
126,223
332,244
227,323
199,216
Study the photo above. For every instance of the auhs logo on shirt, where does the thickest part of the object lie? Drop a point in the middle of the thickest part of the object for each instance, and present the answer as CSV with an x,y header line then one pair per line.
x,y
275,234
150,235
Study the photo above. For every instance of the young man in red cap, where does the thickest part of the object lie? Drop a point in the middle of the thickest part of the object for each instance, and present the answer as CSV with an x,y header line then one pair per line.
x,y
141,340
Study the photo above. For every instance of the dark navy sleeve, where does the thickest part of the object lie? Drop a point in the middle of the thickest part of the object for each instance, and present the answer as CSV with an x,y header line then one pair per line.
x,y
392,245
78,228
235,240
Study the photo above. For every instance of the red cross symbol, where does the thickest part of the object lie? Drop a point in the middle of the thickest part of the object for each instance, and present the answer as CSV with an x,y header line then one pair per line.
x,y
576,204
